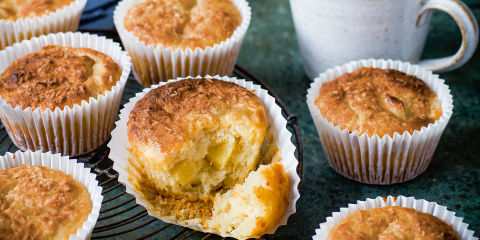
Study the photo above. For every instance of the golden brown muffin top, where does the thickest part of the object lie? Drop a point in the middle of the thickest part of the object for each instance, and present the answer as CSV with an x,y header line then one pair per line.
x,y
183,23
169,115
378,101
58,76
37,202
15,9
392,223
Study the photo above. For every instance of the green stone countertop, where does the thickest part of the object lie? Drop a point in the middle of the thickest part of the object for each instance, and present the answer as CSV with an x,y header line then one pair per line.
x,y
270,51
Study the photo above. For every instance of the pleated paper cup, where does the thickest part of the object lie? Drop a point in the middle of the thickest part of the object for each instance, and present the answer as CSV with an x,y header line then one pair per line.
x,y
70,131
410,202
380,159
278,134
69,166
64,19
156,63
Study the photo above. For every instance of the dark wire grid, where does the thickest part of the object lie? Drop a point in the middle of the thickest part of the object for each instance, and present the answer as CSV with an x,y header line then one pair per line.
x,y
120,216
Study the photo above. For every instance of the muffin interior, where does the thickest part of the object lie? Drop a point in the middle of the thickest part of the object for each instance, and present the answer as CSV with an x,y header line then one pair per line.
x,y
213,161
263,195
248,209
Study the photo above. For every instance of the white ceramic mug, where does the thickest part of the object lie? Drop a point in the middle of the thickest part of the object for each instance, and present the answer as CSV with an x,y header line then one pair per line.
x,y
332,32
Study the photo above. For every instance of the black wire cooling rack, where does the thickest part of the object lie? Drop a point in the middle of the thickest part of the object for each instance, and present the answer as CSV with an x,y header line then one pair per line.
x,y
120,216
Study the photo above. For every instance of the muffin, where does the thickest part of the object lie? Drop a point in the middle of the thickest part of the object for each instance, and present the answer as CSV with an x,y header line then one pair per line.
x,y
386,122
41,203
183,24
202,153
61,95
394,218
25,19
58,76
173,38
378,101
45,196
394,223
13,10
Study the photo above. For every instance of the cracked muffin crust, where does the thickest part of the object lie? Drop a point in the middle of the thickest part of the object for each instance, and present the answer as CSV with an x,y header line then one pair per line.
x,y
392,223
37,202
183,23
16,9
378,101
58,76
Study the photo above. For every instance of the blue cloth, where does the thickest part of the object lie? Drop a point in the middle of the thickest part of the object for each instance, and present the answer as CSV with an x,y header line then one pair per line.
x,y
98,15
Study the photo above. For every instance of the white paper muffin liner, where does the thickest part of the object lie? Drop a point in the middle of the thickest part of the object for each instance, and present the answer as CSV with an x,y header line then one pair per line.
x,y
70,131
68,166
156,63
119,147
64,19
401,201
374,159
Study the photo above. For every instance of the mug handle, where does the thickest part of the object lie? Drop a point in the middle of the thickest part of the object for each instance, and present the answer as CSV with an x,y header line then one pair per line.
x,y
468,26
